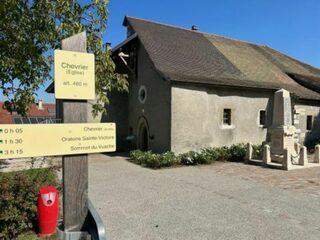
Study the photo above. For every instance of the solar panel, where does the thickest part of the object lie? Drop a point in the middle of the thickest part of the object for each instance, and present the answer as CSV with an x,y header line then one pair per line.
x,y
17,120
33,120
41,119
25,120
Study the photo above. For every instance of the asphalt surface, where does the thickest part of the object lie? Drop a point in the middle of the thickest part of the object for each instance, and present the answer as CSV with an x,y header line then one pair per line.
x,y
195,203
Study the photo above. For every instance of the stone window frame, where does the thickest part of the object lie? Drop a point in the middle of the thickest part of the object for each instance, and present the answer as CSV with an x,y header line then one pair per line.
x,y
223,124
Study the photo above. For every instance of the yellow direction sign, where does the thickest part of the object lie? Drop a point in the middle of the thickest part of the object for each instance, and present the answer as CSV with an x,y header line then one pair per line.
x,y
74,75
31,140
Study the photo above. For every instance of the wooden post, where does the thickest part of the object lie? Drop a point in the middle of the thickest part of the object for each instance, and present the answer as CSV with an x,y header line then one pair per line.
x,y
75,167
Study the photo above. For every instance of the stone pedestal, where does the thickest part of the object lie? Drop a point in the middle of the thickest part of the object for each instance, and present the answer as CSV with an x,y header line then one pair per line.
x,y
282,137
282,131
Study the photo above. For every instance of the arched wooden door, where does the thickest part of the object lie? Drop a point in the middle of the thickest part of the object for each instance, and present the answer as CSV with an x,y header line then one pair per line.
x,y
143,135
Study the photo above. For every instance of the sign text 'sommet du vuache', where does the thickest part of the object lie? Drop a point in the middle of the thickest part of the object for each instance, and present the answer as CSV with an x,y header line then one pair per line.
x,y
74,75
32,140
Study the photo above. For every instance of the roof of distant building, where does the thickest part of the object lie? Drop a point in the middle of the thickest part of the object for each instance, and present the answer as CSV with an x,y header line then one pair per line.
x,y
35,114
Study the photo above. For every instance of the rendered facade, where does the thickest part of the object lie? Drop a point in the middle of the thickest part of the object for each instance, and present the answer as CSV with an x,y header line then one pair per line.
x,y
190,90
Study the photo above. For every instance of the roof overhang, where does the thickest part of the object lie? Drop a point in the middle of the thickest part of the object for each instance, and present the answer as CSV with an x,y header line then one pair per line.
x,y
125,42
310,82
50,88
125,21
217,83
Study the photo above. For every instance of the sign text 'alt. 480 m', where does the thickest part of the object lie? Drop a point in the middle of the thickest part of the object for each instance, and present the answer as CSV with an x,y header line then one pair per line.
x,y
74,75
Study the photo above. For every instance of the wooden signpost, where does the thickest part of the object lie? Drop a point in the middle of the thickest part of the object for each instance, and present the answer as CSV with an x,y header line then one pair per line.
x,y
74,139
74,168
79,215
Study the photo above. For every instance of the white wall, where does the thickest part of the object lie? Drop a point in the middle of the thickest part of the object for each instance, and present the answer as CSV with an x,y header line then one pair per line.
x,y
197,116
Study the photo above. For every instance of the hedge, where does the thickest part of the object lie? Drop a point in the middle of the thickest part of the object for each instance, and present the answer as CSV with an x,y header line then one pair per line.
x,y
312,142
148,159
18,200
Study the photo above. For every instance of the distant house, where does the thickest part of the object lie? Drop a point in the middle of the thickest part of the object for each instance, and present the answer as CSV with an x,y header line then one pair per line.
x,y
38,113
190,89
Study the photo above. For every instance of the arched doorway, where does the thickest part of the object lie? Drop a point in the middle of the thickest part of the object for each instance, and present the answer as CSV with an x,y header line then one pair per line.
x,y
143,135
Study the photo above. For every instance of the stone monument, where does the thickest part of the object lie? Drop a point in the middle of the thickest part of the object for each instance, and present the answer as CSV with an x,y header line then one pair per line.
x,y
282,131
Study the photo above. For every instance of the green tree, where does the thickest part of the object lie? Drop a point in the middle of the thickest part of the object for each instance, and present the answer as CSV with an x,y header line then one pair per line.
x,y
31,29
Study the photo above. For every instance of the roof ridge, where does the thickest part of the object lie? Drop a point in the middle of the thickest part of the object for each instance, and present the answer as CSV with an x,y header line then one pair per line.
x,y
193,31
198,57
228,38
163,24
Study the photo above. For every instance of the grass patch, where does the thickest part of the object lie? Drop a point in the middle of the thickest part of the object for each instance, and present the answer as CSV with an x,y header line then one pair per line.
x,y
33,236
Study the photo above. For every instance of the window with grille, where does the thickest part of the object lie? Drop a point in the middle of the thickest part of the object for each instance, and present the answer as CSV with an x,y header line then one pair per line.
x,y
309,122
227,116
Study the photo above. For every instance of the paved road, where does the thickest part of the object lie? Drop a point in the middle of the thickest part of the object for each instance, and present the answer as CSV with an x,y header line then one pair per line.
x,y
196,203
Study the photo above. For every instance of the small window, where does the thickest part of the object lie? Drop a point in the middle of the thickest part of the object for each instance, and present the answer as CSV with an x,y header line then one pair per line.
x,y
309,122
227,116
142,94
262,117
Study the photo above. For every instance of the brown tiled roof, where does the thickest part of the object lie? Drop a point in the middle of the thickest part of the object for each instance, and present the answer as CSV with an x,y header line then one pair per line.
x,y
191,56
5,116
34,111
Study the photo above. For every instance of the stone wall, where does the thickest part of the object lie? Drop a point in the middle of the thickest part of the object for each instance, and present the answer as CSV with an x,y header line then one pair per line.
x,y
10,165
301,111
117,112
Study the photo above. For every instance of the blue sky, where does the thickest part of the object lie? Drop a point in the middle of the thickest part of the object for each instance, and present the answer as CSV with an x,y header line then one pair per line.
x,y
290,26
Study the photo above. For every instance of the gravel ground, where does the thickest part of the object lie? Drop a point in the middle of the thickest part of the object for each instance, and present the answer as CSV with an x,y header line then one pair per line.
x,y
201,202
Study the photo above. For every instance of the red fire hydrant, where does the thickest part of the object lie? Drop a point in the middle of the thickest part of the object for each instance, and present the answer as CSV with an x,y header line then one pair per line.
x,y
48,210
